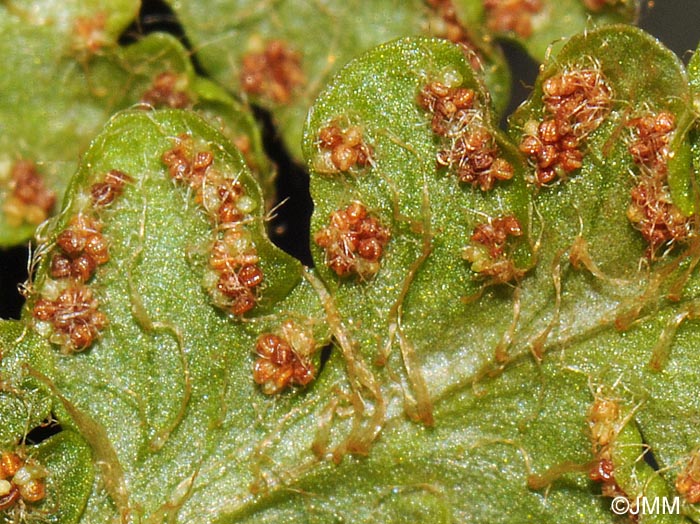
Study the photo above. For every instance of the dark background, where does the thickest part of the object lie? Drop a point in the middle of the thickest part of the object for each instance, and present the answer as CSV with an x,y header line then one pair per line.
x,y
676,23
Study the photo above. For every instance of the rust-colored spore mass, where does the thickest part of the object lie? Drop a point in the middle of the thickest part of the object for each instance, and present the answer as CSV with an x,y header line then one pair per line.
x,y
105,192
354,242
654,215
452,29
471,151
582,97
346,147
273,74
652,134
494,234
21,479
651,210
29,199
473,157
554,150
74,316
236,277
186,165
575,102
451,107
511,15
487,251
167,90
235,261
280,364
89,36
81,247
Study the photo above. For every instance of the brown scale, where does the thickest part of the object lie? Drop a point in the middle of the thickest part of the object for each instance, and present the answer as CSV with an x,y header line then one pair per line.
x,y
239,276
688,480
166,92
280,365
487,253
354,242
581,98
81,248
20,480
474,159
452,107
554,150
186,165
511,15
29,200
103,193
273,74
74,316
347,147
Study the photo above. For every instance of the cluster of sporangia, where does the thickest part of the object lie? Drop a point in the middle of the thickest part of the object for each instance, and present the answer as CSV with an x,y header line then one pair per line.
x,y
604,423
471,151
516,15
22,481
29,199
511,15
284,358
472,154
651,210
234,277
342,149
688,480
487,252
168,90
575,104
68,312
274,73
354,240
448,26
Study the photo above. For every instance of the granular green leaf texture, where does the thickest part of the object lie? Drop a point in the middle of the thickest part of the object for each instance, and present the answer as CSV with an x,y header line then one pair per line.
x,y
501,328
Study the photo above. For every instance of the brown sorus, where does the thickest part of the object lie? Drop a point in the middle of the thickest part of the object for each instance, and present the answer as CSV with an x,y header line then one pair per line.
x,y
168,90
354,241
487,251
81,248
274,73
347,147
29,200
74,317
279,363
511,15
